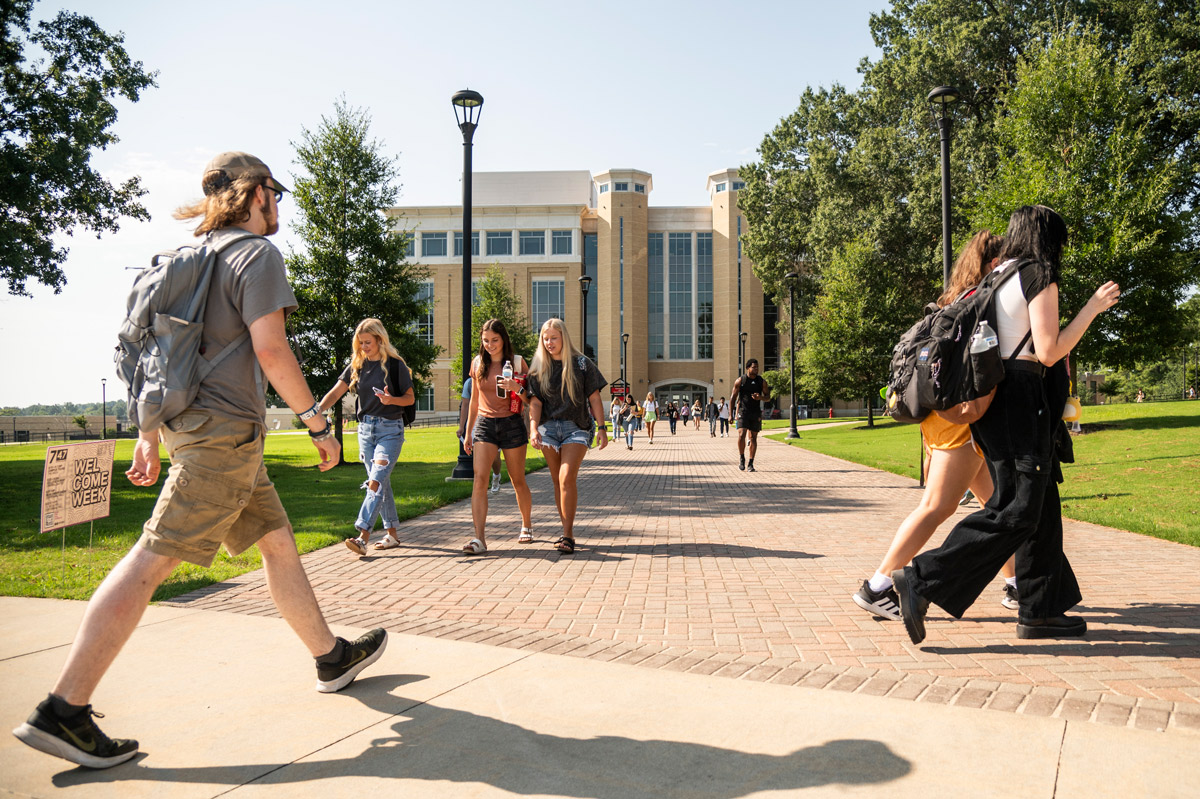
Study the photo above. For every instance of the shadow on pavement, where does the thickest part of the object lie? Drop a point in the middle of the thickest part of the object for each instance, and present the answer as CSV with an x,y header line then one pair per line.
x,y
434,743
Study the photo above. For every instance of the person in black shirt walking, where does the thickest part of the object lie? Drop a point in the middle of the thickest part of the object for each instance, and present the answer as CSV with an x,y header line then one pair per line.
x,y
750,391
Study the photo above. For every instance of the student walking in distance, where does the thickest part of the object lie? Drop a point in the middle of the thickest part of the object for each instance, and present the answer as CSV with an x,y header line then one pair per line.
x,y
564,399
628,417
496,427
464,406
382,386
750,391
217,492
697,412
650,409
672,415
723,415
954,463
712,412
1023,437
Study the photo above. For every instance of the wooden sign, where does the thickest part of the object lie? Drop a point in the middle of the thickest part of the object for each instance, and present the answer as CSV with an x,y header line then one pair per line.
x,y
77,483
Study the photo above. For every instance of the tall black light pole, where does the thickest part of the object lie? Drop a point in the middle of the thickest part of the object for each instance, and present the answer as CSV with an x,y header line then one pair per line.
x,y
940,100
624,352
791,278
585,284
468,105
103,407
742,352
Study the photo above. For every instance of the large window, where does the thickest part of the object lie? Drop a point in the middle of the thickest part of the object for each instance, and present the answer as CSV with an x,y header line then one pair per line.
x,y
458,243
433,245
770,358
533,242
548,300
425,399
410,245
560,242
704,295
424,325
499,242
654,296
680,326
593,316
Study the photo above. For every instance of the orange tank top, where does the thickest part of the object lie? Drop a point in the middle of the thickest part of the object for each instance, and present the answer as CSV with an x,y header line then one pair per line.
x,y
490,405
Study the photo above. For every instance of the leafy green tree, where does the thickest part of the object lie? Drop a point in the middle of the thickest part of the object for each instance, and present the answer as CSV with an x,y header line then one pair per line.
x,y
54,112
81,422
496,300
353,266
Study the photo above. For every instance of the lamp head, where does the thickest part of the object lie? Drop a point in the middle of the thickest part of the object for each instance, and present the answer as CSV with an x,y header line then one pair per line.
x,y
624,338
468,105
585,283
940,100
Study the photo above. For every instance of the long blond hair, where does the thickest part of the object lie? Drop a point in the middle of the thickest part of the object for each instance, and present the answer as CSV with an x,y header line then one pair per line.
x,y
972,266
542,361
375,328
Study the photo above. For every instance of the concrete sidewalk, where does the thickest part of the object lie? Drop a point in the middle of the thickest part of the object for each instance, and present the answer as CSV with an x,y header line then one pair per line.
x,y
701,642
223,705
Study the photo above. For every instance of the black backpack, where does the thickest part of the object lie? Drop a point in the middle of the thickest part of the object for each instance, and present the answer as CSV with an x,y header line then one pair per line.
x,y
933,368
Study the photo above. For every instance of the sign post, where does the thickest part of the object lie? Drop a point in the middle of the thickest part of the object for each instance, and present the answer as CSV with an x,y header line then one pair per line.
x,y
618,388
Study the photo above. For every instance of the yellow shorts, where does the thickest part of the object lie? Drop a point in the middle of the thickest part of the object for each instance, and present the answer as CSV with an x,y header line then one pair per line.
x,y
937,433
216,492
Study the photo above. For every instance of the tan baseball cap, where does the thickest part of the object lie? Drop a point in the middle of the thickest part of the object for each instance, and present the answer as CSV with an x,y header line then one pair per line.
x,y
232,166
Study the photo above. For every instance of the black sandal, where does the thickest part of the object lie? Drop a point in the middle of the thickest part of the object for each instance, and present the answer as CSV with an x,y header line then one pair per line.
x,y
565,545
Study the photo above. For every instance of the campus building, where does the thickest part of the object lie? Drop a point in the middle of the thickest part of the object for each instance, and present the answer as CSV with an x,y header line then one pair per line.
x,y
674,279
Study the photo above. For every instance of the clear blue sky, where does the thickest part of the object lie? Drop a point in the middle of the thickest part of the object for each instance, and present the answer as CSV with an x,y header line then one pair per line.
x,y
679,89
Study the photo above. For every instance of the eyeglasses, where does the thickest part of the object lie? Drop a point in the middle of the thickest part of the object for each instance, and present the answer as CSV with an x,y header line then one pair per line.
x,y
278,194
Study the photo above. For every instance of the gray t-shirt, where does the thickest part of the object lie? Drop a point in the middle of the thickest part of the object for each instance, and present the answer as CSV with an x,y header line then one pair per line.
x,y
248,282
556,404
370,377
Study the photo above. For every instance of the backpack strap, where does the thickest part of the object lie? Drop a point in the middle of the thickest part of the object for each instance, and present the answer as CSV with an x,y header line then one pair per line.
x,y
206,366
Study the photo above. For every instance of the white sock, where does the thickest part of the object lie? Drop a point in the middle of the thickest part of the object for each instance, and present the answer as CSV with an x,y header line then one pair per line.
x,y
880,582
1011,581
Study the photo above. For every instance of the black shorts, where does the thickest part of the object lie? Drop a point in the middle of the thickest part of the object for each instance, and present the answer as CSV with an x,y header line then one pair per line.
x,y
751,423
507,432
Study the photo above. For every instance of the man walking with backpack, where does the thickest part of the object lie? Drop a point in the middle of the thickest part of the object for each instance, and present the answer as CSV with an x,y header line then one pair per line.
x,y
217,492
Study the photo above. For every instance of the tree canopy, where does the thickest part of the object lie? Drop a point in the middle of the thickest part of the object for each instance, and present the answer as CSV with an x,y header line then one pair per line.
x,y
353,266
55,111
1090,106
495,300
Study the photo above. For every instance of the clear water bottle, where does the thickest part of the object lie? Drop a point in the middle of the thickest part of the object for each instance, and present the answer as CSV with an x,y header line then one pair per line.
x,y
984,339
506,374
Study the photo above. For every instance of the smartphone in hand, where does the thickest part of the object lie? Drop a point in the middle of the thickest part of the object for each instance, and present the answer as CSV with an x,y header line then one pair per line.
x,y
378,392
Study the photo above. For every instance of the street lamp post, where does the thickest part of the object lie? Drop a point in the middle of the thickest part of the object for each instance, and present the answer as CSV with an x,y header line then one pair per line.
x,y
940,100
742,352
585,285
791,278
103,407
468,106
624,352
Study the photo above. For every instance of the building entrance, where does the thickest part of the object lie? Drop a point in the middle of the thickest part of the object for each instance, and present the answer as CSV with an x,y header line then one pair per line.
x,y
680,393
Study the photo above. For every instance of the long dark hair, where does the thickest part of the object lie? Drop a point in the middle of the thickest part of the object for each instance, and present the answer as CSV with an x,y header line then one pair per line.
x,y
485,360
1037,232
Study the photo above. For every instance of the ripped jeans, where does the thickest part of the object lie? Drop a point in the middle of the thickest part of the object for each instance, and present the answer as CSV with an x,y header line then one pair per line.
x,y
379,443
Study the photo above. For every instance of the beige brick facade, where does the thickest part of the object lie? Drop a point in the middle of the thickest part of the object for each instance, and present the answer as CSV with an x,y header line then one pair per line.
x,y
615,208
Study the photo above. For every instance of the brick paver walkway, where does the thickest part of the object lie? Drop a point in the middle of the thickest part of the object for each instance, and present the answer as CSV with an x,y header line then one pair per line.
x,y
686,563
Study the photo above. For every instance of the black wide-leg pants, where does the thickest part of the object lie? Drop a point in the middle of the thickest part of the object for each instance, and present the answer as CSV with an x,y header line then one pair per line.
x,y
1024,515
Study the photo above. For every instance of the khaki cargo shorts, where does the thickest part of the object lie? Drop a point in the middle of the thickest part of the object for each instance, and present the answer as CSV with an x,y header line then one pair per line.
x,y
216,493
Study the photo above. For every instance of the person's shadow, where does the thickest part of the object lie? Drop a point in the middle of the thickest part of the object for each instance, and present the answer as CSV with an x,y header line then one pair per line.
x,y
434,743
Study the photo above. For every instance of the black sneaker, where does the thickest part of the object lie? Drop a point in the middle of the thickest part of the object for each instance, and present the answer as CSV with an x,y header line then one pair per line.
x,y
1062,626
1011,599
750,466
884,604
742,463
75,738
913,606
356,656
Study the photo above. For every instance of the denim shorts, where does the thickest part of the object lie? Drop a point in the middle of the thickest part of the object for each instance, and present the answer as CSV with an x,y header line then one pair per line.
x,y
556,432
506,432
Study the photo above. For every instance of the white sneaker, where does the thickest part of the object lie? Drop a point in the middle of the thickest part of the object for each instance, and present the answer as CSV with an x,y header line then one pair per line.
x,y
495,489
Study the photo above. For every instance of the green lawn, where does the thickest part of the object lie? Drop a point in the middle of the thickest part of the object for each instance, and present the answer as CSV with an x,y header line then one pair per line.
x,y
322,507
1135,466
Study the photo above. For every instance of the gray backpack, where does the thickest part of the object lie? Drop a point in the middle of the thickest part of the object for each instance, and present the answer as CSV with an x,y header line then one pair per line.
x,y
159,355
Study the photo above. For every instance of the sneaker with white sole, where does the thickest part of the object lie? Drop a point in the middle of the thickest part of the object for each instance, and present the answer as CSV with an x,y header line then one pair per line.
x,y
356,656
495,487
1011,599
75,738
883,604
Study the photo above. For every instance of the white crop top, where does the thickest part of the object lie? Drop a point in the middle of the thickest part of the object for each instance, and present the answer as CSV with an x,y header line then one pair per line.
x,y
1012,315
